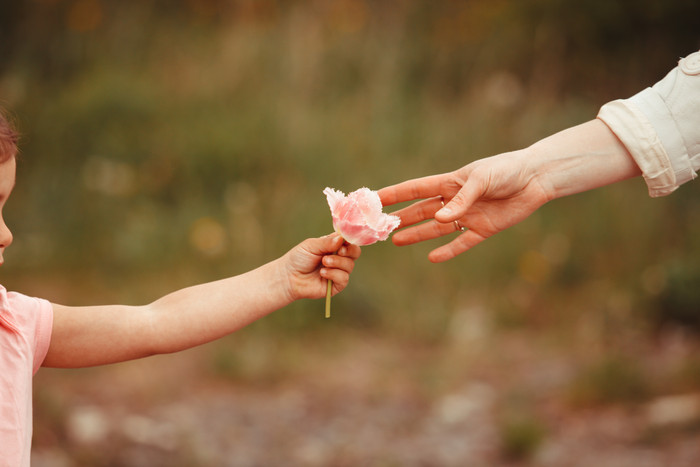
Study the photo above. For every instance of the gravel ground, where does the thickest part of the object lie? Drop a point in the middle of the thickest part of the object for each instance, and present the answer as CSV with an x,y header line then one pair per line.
x,y
371,403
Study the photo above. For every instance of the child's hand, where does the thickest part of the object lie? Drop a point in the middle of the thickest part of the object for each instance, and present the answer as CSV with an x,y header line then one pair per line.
x,y
315,260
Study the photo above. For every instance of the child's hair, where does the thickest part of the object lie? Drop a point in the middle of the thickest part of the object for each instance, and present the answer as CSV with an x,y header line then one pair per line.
x,y
8,138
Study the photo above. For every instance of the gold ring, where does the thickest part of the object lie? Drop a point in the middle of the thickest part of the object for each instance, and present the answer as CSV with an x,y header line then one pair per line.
x,y
456,223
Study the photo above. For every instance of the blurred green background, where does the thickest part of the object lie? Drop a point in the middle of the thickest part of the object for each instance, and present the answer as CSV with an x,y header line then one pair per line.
x,y
171,142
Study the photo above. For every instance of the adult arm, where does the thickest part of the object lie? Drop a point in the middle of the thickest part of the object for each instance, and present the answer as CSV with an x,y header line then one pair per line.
x,y
655,133
492,194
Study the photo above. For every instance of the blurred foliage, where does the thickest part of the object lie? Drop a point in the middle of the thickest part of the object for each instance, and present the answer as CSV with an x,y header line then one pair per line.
x,y
172,142
612,380
168,142
521,430
521,437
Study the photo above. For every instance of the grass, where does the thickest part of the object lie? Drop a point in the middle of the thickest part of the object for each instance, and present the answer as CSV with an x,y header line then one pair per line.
x,y
521,437
611,380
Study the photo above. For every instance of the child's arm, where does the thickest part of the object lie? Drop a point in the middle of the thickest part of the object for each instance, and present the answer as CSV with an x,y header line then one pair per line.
x,y
95,335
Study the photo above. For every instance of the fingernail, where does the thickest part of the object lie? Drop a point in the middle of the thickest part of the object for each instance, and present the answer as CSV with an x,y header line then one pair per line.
x,y
445,211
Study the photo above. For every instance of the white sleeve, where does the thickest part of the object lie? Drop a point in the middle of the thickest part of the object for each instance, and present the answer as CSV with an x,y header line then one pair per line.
x,y
660,127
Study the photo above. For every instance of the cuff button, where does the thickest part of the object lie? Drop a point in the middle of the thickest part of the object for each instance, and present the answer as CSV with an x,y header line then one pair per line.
x,y
691,64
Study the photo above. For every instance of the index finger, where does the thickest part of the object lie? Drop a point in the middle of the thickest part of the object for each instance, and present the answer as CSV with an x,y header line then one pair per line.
x,y
417,188
419,211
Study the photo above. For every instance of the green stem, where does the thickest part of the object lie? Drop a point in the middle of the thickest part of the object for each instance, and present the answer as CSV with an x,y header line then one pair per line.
x,y
329,292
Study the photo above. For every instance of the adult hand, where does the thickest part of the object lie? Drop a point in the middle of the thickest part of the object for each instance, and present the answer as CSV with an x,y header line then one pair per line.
x,y
492,194
483,198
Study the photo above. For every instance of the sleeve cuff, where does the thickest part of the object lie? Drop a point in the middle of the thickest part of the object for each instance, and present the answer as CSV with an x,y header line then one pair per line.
x,y
640,138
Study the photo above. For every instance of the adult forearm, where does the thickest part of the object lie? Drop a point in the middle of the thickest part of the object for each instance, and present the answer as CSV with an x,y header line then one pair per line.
x,y
579,159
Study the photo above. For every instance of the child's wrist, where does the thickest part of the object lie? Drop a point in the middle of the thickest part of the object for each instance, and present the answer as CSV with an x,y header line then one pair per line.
x,y
283,281
277,288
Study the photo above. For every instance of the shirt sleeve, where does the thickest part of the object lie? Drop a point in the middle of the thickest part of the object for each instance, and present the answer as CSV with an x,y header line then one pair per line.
x,y
660,127
35,317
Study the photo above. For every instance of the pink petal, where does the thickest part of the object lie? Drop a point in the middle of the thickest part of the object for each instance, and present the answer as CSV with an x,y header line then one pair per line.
x,y
358,216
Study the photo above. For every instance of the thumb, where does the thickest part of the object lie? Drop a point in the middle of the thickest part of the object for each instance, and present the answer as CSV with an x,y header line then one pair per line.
x,y
324,245
458,206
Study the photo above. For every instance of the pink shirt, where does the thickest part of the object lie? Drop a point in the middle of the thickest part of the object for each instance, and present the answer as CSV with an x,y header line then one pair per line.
x,y
25,333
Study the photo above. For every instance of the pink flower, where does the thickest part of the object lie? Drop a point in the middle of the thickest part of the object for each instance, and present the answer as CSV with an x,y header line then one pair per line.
x,y
358,216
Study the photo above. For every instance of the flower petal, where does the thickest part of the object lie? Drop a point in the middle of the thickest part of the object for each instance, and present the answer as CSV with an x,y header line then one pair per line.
x,y
358,216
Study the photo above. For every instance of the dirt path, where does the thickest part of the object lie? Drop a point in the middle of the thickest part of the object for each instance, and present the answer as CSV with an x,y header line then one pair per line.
x,y
363,401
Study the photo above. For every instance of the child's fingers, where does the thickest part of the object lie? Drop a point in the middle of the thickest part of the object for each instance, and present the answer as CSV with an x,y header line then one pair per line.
x,y
323,245
339,277
339,262
350,250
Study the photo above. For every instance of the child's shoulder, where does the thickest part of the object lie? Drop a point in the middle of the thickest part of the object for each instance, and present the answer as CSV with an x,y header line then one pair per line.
x,y
19,312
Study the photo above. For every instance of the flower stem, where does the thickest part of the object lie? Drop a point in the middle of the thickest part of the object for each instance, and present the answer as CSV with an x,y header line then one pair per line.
x,y
329,293
329,290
